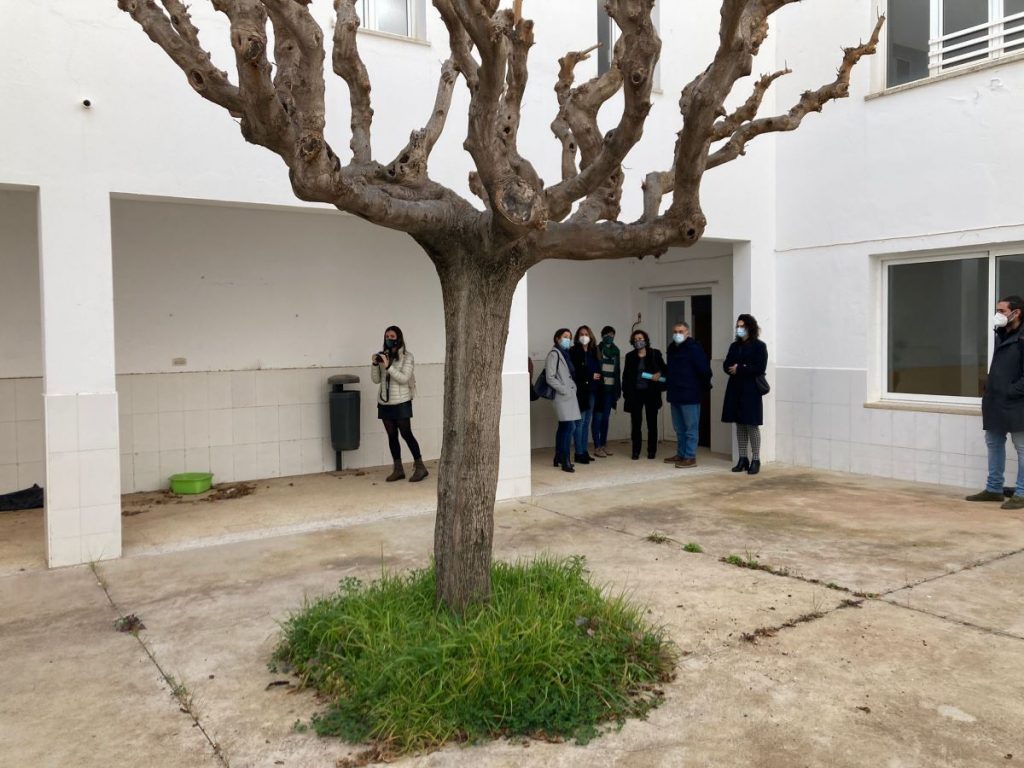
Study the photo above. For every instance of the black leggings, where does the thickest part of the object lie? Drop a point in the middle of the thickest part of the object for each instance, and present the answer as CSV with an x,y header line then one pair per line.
x,y
403,426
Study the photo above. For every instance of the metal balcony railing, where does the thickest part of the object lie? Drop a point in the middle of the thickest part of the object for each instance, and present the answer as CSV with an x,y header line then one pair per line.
x,y
991,40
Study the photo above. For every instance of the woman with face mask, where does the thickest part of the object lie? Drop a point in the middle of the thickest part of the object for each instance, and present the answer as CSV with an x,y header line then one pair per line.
x,y
560,373
588,387
393,373
642,383
610,388
747,359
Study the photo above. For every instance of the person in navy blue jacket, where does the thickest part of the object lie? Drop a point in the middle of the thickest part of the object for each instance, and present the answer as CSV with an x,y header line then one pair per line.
x,y
689,377
747,359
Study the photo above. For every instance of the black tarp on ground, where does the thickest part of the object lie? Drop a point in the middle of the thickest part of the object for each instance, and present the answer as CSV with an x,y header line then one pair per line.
x,y
29,498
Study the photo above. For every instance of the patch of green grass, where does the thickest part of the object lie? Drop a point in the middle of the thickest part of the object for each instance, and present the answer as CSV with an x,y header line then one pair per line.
x,y
551,655
753,564
693,546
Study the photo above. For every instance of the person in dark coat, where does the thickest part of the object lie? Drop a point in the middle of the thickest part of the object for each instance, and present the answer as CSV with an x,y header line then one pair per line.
x,y
611,389
747,359
641,390
587,374
689,377
1002,406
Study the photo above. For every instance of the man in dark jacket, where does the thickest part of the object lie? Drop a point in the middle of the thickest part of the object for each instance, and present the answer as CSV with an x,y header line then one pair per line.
x,y
689,376
1002,406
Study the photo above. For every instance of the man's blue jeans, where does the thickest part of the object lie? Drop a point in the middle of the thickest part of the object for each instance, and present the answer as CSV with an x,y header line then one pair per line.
x,y
602,416
996,444
563,439
686,423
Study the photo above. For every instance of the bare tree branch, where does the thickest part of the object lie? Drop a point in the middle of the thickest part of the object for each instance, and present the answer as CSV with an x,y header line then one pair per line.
x,y
636,57
560,125
410,165
810,101
349,66
180,41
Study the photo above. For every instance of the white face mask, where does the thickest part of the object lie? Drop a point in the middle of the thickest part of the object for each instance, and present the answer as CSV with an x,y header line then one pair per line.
x,y
678,338
741,333
584,340
1000,320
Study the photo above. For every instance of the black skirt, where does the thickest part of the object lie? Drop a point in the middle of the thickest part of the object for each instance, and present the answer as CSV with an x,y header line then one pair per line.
x,y
395,412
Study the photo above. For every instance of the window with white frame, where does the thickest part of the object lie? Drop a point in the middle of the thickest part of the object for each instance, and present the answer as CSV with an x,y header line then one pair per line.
x,y
937,312
395,17
608,35
928,37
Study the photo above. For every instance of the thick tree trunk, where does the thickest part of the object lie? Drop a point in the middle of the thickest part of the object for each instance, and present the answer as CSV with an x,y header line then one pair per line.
x,y
477,302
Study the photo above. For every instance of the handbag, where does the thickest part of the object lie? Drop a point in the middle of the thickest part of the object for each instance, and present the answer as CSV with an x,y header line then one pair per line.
x,y
761,382
542,388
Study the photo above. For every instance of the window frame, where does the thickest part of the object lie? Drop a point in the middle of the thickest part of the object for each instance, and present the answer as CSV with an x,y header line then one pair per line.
x,y
992,254
992,56
368,18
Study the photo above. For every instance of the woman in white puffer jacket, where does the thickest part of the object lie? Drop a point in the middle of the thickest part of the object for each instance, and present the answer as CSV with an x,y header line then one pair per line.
x,y
394,374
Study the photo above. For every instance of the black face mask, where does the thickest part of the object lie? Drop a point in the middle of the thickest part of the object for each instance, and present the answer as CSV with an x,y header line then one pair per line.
x,y
390,343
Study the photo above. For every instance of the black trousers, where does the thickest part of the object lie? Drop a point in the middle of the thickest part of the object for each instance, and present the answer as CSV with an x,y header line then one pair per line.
x,y
636,418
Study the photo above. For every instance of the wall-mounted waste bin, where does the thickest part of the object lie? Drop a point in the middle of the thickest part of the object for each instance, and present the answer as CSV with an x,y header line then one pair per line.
x,y
344,415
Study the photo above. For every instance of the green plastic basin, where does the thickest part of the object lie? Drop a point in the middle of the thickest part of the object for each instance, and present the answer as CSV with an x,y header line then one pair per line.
x,y
191,482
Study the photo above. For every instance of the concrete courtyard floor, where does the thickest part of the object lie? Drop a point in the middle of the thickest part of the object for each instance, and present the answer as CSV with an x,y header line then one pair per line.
x,y
926,671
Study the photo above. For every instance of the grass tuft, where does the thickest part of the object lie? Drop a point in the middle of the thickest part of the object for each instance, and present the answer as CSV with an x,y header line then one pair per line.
x,y
693,546
550,656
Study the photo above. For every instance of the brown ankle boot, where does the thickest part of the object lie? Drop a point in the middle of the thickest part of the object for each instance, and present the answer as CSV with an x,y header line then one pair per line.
x,y
419,471
397,474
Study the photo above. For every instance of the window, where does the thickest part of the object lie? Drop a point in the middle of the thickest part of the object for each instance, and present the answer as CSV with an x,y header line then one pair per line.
x,y
938,323
396,17
928,37
608,35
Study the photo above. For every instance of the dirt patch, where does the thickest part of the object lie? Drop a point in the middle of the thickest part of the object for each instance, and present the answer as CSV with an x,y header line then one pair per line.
x,y
228,491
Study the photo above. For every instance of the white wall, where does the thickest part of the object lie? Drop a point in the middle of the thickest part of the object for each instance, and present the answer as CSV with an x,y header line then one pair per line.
x,y
233,288
930,168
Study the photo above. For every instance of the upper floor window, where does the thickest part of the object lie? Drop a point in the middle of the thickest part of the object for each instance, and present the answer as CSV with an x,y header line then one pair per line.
x,y
395,17
928,37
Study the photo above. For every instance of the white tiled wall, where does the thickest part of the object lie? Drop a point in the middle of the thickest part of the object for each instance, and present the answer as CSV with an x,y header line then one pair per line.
x,y
822,423
248,425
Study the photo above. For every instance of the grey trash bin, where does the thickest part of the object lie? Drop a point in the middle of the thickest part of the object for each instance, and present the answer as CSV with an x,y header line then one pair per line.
x,y
344,415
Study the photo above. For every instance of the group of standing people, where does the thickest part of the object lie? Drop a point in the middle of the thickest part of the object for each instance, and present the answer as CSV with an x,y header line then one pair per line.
x,y
588,378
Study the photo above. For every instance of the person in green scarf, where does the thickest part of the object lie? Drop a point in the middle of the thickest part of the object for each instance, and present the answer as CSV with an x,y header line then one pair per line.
x,y
610,391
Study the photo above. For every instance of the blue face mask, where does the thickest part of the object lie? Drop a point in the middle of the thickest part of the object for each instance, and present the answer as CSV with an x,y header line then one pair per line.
x,y
639,343
741,333
390,343
565,343
678,338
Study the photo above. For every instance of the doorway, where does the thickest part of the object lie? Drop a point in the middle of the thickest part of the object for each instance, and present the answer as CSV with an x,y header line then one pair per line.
x,y
695,311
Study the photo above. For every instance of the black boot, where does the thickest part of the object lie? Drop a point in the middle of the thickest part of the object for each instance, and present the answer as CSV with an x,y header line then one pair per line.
x,y
755,467
419,471
742,465
397,474
558,460
567,467
582,458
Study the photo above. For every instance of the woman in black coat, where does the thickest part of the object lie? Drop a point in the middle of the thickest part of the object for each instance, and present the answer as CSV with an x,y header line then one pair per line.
x,y
641,390
747,359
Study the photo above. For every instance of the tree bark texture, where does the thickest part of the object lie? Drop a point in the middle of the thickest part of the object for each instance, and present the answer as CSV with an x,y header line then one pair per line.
x,y
481,255
477,306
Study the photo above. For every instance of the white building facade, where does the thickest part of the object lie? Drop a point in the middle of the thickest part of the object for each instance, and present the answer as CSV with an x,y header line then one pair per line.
x,y
166,304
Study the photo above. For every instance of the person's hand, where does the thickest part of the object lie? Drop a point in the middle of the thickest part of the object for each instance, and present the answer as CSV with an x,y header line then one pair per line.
x,y
597,377
733,368
656,377
384,359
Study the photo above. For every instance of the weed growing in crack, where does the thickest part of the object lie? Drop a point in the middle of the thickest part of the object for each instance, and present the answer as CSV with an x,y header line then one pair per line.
x,y
693,546
753,564
656,537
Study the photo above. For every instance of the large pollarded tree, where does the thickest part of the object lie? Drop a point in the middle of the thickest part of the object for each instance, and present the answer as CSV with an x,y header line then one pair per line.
x,y
481,253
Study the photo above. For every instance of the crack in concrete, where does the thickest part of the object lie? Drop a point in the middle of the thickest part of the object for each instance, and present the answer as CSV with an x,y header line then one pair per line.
x,y
184,702
881,597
